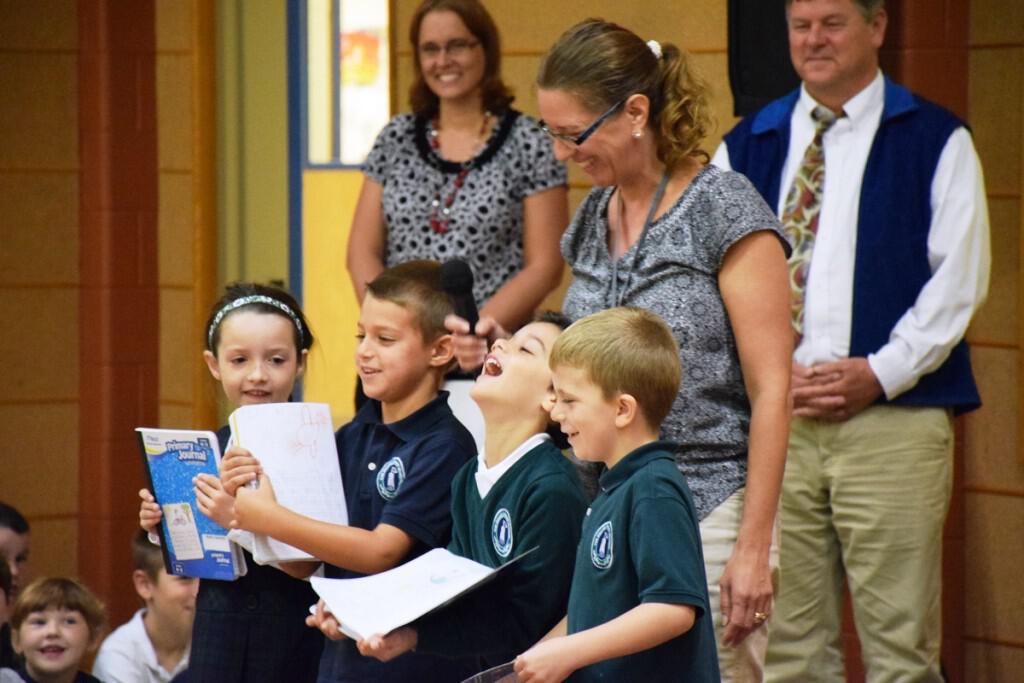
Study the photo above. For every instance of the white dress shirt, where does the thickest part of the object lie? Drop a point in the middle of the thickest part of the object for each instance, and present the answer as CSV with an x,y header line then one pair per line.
x,y
487,477
958,245
127,656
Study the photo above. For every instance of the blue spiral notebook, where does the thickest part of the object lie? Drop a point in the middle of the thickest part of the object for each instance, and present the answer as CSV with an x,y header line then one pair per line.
x,y
192,543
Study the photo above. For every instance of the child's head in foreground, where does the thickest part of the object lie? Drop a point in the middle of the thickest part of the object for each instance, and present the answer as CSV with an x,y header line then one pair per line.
x,y
54,622
516,376
403,344
170,599
616,374
257,340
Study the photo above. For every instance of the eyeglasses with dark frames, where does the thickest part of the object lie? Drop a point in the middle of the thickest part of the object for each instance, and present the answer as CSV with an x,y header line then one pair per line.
x,y
457,47
577,140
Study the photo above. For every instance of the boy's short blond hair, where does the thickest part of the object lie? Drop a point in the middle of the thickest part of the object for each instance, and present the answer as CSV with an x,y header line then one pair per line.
x,y
625,350
59,593
416,287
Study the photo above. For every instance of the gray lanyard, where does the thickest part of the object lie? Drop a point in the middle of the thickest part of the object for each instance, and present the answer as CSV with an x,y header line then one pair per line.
x,y
615,298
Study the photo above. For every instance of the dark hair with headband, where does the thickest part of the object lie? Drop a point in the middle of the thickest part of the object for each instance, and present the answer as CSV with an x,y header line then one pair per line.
x,y
602,63
249,296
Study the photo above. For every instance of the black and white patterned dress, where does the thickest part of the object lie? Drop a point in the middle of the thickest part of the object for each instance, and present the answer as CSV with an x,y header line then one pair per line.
x,y
486,226
676,276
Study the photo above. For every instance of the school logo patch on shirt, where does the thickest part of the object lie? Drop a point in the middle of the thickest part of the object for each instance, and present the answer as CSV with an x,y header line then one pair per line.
x,y
501,532
390,478
601,551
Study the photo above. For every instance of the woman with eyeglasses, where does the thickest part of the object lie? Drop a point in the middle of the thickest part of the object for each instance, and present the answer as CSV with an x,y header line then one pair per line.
x,y
667,232
463,175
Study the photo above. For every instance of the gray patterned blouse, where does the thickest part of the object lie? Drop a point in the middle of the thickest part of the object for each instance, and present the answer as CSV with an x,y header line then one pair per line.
x,y
676,276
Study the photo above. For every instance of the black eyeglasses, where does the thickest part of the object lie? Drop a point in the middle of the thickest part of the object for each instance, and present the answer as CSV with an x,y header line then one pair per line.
x,y
577,140
457,47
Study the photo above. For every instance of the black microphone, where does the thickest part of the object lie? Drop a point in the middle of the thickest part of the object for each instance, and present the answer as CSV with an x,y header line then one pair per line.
x,y
457,281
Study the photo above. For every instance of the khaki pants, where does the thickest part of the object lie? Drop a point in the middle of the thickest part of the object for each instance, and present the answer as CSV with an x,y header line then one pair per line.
x,y
745,662
865,499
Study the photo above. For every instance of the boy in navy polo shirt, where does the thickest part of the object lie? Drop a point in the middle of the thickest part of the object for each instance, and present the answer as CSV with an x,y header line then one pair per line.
x,y
398,457
520,493
638,607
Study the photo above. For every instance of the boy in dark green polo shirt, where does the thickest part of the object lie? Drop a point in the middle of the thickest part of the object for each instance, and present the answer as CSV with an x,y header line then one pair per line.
x,y
638,607
521,492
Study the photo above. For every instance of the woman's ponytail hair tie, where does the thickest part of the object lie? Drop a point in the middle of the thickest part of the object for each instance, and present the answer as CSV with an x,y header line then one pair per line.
x,y
655,47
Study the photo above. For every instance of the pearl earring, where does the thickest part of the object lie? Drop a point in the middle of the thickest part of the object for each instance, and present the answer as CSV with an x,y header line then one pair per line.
x,y
637,134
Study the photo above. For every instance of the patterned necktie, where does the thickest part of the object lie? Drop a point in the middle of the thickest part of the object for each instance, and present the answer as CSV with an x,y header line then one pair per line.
x,y
800,215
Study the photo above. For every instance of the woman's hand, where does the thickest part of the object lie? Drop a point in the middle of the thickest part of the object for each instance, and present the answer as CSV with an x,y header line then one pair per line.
x,y
150,513
470,349
213,500
746,595
326,622
238,468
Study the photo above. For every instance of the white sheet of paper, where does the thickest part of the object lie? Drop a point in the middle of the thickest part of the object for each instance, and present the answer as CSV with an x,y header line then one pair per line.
x,y
294,443
385,601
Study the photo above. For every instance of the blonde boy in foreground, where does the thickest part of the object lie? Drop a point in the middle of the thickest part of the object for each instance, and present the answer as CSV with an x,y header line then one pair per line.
x,y
638,606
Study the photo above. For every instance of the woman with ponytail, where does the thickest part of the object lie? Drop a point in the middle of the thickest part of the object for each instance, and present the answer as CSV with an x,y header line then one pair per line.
x,y
667,232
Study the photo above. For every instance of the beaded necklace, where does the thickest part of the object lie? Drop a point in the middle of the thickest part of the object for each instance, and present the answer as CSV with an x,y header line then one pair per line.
x,y
440,209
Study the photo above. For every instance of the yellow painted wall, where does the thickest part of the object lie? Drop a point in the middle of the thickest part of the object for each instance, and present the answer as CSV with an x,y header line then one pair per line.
x,y
252,145
330,304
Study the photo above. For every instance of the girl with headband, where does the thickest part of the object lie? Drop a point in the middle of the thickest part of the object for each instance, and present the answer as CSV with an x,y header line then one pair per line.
x,y
253,628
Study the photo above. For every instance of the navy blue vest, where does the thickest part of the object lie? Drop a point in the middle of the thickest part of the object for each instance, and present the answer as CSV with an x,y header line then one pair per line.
x,y
891,263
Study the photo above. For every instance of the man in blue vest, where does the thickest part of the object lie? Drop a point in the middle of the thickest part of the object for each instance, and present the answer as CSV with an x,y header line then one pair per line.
x,y
890,210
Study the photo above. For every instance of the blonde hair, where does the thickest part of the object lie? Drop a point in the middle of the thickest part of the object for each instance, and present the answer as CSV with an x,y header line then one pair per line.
x,y
60,593
416,287
625,350
603,63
